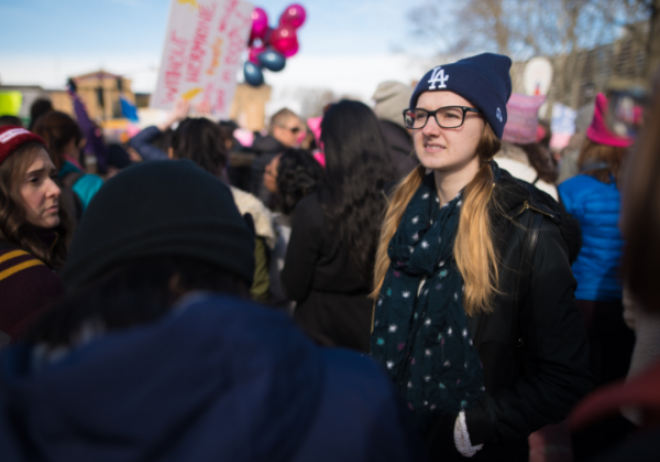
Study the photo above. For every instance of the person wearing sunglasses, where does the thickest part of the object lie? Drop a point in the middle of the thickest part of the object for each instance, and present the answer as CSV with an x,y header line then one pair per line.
x,y
283,133
475,318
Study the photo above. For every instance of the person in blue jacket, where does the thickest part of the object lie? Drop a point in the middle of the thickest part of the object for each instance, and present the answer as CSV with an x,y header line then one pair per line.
x,y
156,353
593,197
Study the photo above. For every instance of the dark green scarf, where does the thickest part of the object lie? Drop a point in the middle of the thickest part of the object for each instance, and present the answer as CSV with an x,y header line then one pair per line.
x,y
420,334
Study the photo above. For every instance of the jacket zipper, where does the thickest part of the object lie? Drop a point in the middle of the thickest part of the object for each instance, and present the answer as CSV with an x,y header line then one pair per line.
x,y
526,206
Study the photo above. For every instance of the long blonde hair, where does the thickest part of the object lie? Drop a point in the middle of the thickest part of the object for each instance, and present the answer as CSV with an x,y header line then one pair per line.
x,y
474,251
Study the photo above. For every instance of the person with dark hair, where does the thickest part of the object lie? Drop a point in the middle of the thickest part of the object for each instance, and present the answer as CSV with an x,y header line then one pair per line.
x,y
593,197
201,141
475,320
329,261
153,142
32,231
291,176
156,355
10,120
64,140
40,106
282,133
521,154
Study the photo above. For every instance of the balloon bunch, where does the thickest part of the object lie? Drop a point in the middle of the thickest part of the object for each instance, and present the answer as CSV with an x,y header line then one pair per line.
x,y
269,48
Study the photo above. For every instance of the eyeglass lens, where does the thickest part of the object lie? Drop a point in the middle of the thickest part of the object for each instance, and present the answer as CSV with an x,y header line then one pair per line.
x,y
446,117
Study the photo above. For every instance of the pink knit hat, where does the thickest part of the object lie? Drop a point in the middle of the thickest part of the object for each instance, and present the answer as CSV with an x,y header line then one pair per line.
x,y
598,131
521,126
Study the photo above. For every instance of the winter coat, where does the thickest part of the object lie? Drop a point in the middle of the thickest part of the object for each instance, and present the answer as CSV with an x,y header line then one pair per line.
x,y
264,241
400,145
218,378
533,346
84,185
27,288
320,277
596,205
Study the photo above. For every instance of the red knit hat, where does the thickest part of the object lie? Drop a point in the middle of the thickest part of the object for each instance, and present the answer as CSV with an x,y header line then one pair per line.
x,y
598,131
13,136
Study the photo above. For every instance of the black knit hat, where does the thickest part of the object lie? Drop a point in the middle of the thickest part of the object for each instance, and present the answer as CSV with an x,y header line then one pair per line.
x,y
483,80
160,208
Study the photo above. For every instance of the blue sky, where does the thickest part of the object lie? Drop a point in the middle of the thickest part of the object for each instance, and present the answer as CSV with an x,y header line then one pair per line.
x,y
347,46
85,26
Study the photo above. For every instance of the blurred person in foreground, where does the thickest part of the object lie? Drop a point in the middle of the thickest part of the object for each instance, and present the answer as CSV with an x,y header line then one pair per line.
x,y
32,232
156,355
639,396
283,133
593,197
201,140
328,268
291,176
391,98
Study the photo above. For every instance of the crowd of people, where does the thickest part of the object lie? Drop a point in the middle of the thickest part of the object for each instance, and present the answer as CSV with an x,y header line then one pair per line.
x,y
408,282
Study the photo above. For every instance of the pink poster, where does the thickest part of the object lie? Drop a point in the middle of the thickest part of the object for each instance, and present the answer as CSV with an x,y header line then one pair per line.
x,y
202,53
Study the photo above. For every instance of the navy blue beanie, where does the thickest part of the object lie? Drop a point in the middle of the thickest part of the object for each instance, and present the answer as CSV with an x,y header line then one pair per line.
x,y
483,80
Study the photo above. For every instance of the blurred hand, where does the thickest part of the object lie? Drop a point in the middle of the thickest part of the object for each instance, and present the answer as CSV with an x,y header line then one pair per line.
x,y
203,108
179,113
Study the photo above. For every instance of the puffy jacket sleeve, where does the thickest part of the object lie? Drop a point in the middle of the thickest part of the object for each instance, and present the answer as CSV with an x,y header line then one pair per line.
x,y
304,249
555,357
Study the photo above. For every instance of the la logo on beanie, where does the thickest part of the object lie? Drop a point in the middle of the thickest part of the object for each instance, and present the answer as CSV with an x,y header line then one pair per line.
x,y
438,75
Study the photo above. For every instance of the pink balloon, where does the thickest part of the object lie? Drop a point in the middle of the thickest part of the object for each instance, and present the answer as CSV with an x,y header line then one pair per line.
x,y
259,23
291,51
284,40
293,16
254,52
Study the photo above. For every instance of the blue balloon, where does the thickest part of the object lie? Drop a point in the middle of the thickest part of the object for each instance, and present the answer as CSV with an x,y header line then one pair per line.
x,y
253,74
272,60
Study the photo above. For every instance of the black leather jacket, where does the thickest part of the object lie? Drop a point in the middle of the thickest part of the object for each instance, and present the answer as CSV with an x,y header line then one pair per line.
x,y
533,346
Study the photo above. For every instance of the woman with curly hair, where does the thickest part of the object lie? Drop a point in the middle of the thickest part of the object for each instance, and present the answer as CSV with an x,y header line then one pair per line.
x,y
291,176
32,231
329,261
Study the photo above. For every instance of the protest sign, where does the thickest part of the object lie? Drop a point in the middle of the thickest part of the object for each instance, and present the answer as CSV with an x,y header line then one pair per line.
x,y
563,125
202,53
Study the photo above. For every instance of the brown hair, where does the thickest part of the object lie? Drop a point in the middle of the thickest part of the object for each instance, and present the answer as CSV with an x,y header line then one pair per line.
x,y
592,154
57,129
473,249
13,225
641,214
541,160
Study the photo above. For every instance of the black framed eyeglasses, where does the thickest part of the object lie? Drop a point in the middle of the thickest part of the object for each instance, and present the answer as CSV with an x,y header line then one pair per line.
x,y
445,117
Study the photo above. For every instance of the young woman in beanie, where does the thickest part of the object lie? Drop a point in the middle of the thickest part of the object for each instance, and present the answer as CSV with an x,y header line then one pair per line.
x,y
475,319
594,198
32,231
